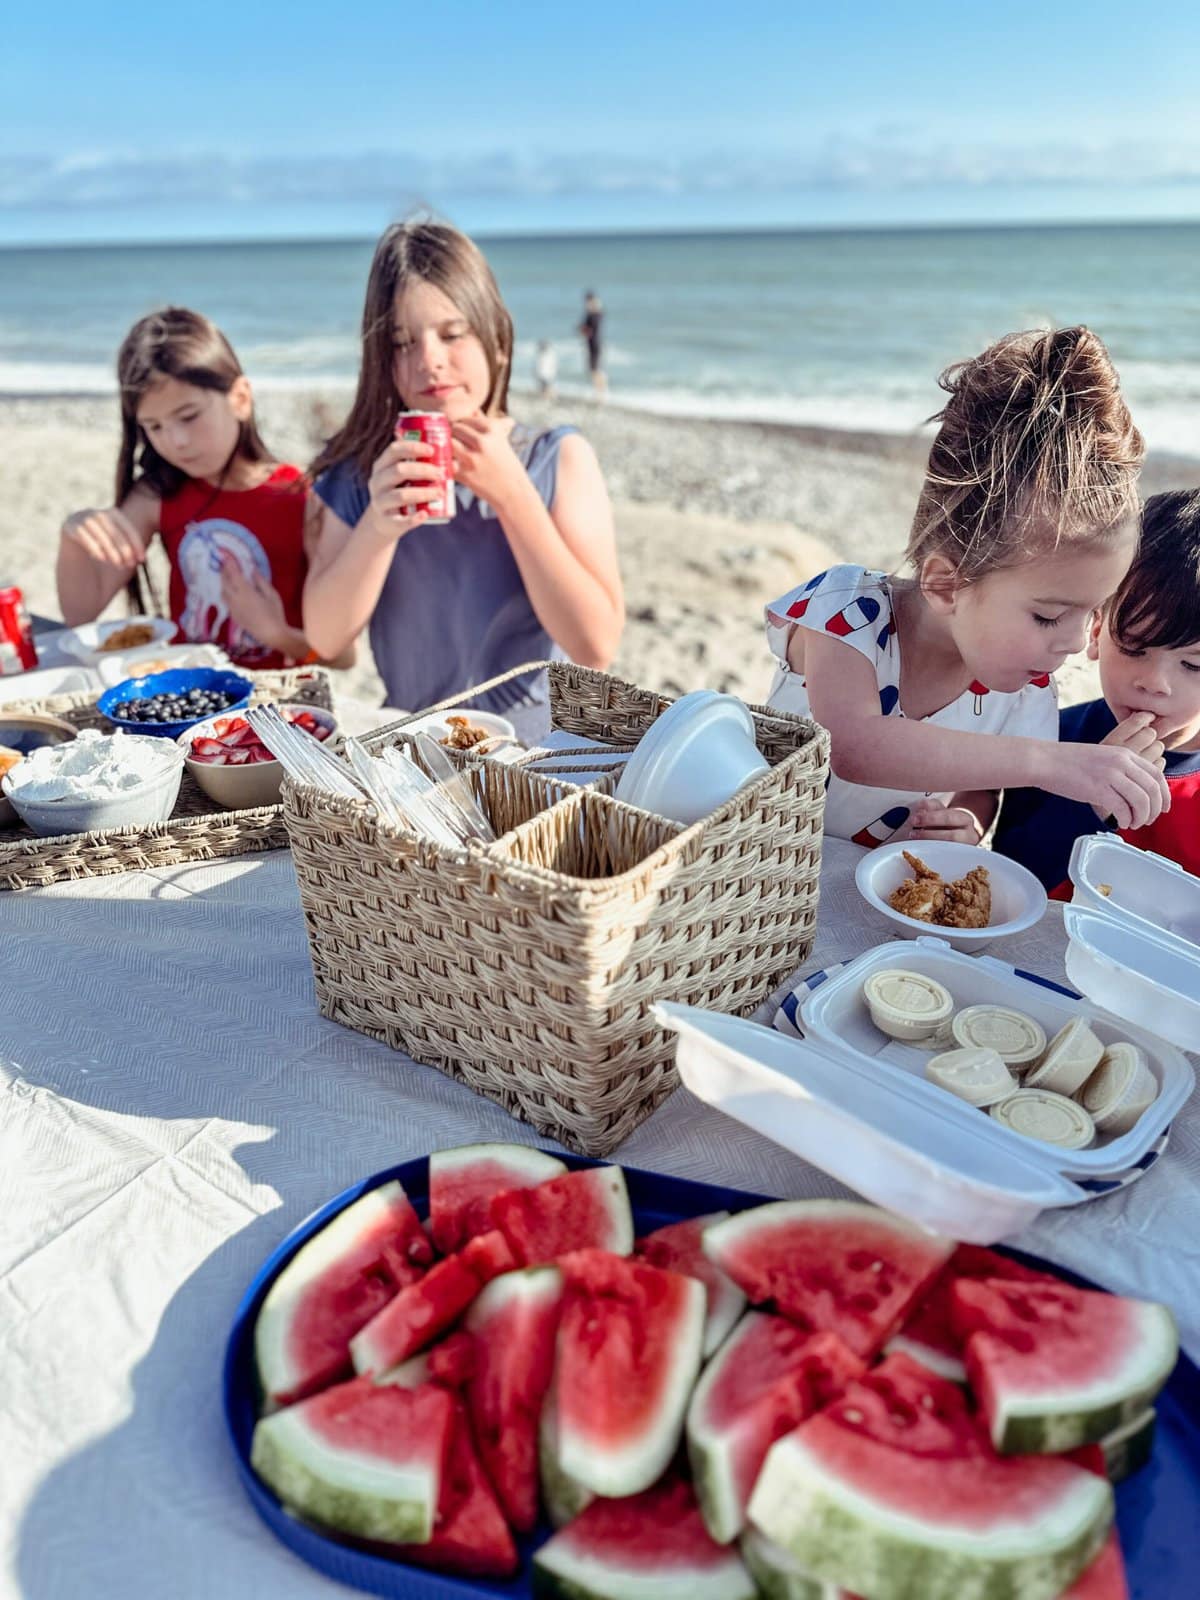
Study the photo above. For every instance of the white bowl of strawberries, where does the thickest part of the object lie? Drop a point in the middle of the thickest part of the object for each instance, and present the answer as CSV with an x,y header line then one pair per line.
x,y
232,765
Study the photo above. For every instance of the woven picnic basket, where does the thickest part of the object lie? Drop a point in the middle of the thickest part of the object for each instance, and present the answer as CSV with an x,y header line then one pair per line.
x,y
197,829
526,968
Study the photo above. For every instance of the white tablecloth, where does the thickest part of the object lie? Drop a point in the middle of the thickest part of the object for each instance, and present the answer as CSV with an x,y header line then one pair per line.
x,y
173,1105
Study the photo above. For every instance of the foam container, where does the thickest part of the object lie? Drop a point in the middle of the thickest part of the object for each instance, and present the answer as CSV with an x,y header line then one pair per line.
x,y
856,1104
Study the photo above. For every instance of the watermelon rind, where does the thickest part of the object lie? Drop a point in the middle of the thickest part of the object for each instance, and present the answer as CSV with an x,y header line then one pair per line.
x,y
839,1532
1128,1449
1080,1413
945,1366
527,1165
564,1496
619,1470
778,1575
356,1494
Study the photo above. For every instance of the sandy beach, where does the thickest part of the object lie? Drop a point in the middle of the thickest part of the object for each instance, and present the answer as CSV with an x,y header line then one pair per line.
x,y
713,518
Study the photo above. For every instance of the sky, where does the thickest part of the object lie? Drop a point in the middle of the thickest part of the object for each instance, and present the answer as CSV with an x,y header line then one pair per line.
x,y
262,120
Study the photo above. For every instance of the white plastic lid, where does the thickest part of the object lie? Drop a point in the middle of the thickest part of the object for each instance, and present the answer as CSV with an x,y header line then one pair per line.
x,y
1149,979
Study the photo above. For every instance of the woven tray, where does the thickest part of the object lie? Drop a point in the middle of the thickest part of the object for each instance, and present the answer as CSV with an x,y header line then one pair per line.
x,y
197,829
526,968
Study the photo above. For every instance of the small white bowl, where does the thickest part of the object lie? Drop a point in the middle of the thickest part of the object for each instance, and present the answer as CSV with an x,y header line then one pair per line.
x,y
1018,899
437,726
86,642
152,801
694,758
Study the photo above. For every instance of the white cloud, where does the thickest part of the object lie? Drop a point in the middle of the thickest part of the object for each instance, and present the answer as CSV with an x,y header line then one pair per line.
x,y
897,158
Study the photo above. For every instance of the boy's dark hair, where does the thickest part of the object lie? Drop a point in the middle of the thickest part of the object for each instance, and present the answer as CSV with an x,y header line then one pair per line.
x,y
1157,606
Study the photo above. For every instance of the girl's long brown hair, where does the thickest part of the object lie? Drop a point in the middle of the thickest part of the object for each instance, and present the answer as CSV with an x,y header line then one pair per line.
x,y
1036,448
434,253
181,344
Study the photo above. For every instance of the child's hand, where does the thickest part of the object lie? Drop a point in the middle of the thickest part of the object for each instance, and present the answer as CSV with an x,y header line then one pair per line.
x,y
933,819
108,538
400,485
1114,780
1138,733
254,604
484,459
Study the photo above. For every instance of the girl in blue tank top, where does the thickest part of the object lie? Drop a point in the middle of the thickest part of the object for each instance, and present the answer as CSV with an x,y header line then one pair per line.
x,y
527,567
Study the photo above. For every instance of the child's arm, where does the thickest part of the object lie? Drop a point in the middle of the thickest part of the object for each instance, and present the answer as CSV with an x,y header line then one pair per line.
x,y
98,553
963,819
350,564
257,606
903,753
567,556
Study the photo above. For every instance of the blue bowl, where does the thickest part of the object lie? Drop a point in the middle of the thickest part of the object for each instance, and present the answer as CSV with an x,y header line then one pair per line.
x,y
178,681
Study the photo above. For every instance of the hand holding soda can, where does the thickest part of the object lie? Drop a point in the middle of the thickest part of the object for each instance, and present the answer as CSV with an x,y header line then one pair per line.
x,y
433,429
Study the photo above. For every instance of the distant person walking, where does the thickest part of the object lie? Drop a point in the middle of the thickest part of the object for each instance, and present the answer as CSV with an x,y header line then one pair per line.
x,y
590,328
545,369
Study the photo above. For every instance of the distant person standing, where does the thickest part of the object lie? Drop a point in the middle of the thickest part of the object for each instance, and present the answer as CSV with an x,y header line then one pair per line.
x,y
590,328
545,369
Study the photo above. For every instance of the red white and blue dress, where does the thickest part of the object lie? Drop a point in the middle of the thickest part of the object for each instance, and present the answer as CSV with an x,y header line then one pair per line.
x,y
854,604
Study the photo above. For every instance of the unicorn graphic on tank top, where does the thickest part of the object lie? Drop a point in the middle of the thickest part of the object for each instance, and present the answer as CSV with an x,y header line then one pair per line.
x,y
202,551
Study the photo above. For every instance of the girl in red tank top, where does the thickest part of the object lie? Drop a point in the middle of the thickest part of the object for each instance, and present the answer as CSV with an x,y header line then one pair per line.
x,y
237,526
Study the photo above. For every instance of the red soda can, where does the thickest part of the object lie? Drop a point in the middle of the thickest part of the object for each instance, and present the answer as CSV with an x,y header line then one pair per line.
x,y
433,429
15,626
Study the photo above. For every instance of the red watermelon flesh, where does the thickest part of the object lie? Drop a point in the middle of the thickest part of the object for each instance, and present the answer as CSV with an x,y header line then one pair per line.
x,y
765,1379
513,1325
834,1265
583,1210
427,1308
626,1359
470,1535
1105,1578
679,1247
615,1548
1052,1366
463,1183
928,1335
333,1286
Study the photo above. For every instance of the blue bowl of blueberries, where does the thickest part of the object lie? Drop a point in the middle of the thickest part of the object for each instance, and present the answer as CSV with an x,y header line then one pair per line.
x,y
166,704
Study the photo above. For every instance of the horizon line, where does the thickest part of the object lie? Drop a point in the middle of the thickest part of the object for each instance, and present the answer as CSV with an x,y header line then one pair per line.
x,y
501,236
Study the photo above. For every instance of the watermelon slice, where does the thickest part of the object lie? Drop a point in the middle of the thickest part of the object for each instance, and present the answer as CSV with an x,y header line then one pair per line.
x,y
626,1358
450,1362
463,1183
679,1247
767,1377
583,1210
426,1308
513,1324
1053,1367
895,1492
653,1546
364,1460
1105,1578
341,1278
470,1534
779,1576
833,1265
928,1335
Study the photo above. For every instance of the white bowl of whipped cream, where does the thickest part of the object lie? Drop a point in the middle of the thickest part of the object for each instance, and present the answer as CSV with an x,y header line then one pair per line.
x,y
96,782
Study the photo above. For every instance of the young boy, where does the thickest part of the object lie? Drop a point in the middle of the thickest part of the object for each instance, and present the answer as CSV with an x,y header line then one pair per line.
x,y
1148,646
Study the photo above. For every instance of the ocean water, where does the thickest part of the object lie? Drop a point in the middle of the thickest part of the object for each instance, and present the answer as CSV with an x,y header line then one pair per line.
x,y
848,329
